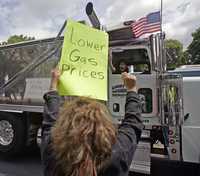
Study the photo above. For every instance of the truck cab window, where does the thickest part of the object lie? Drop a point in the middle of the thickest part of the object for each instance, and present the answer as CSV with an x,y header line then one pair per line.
x,y
138,59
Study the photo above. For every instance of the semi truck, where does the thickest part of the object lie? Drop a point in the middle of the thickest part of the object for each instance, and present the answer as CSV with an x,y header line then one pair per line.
x,y
169,100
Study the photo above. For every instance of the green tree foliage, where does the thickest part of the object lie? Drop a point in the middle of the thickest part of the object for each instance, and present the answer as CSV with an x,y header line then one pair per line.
x,y
18,38
194,48
174,52
186,58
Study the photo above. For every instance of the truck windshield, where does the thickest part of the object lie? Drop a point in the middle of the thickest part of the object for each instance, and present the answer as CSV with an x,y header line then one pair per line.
x,y
136,58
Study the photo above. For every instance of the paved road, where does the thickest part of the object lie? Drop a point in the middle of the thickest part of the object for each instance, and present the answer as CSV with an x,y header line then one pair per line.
x,y
27,164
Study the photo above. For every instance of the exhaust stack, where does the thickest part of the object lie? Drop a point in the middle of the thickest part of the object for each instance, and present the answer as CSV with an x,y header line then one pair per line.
x,y
92,16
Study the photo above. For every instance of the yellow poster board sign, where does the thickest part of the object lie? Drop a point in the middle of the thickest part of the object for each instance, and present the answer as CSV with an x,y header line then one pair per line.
x,y
84,62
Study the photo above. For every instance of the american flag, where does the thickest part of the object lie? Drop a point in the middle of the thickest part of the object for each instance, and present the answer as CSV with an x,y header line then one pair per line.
x,y
149,24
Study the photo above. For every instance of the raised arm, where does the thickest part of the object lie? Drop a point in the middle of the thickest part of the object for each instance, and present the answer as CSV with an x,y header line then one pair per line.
x,y
129,130
51,108
52,102
132,120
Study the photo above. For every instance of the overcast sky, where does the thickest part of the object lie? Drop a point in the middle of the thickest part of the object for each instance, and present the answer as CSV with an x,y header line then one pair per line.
x,y
43,18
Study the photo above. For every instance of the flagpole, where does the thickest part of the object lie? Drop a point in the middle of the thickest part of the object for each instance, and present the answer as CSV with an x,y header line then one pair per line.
x,y
163,58
161,11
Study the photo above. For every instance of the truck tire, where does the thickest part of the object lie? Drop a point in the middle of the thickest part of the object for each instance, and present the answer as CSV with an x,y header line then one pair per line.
x,y
12,134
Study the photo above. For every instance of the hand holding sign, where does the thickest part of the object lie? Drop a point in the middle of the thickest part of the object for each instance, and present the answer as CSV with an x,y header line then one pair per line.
x,y
83,62
55,74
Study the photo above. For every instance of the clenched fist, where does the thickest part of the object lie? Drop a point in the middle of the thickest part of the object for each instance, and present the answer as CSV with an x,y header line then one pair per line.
x,y
129,81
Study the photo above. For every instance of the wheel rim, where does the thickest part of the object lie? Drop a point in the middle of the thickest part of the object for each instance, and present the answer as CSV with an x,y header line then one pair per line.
x,y
6,132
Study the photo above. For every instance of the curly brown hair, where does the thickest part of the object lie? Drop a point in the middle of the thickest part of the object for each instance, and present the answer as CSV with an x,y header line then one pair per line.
x,y
82,137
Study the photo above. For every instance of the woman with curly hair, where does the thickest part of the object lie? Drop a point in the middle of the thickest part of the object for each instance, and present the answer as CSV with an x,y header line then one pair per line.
x,y
80,139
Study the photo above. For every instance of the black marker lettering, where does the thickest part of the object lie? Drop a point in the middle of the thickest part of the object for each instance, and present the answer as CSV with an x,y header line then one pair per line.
x,y
89,44
84,74
93,61
96,47
72,69
102,46
83,60
71,37
81,42
93,74
101,76
72,57
65,67
79,72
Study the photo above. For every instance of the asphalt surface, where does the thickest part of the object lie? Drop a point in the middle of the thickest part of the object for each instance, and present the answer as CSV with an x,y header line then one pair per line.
x,y
29,164
26,164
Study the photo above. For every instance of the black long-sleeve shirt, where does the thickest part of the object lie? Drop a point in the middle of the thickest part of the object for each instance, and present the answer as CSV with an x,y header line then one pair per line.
x,y
123,150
